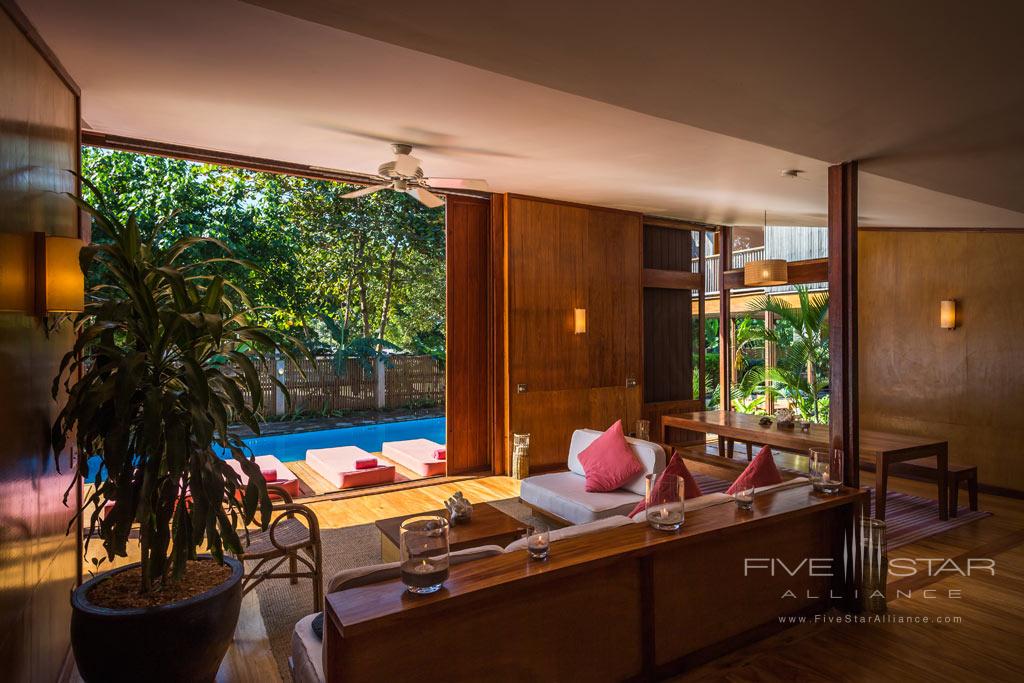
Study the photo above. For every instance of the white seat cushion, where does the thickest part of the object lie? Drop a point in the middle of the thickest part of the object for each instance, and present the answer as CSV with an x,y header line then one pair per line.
x,y
564,495
573,531
650,454
307,653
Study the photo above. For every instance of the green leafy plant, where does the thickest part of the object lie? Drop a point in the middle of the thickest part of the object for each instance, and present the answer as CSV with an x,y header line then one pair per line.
x,y
801,335
365,350
165,359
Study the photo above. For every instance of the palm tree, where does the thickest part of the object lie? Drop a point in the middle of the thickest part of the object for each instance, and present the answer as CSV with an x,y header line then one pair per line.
x,y
797,367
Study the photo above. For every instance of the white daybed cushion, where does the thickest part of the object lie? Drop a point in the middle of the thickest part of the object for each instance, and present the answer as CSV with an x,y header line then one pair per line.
x,y
307,653
694,504
651,455
264,462
576,530
564,495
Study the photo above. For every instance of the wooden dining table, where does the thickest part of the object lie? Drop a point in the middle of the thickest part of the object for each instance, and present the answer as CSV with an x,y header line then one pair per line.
x,y
883,448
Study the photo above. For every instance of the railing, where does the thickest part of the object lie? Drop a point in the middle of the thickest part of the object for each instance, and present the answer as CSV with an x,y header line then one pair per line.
x,y
321,387
740,258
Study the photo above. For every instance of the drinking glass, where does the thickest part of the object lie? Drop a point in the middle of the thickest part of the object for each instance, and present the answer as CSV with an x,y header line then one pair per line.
x,y
745,499
665,499
825,467
538,543
423,542
643,430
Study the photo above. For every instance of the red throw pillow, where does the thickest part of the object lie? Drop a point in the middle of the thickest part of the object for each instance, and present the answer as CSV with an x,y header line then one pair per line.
x,y
760,472
608,461
677,468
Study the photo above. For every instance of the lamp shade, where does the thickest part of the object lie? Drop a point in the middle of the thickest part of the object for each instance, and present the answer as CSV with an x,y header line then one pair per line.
x,y
947,314
64,281
17,271
766,273
580,320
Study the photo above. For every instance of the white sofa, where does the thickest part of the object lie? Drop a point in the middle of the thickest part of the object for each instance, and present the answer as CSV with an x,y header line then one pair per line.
x,y
563,495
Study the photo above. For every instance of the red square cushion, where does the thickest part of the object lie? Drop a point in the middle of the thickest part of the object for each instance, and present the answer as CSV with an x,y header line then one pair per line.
x,y
676,468
760,472
608,461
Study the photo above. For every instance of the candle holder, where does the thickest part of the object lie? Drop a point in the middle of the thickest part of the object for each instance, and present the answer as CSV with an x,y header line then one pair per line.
x,y
745,499
665,499
643,430
538,543
825,467
424,553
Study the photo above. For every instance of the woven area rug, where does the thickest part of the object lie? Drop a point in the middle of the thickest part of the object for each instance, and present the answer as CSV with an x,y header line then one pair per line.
x,y
910,518
282,604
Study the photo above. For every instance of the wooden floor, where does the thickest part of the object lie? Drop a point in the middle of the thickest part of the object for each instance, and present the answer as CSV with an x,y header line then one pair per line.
x,y
984,645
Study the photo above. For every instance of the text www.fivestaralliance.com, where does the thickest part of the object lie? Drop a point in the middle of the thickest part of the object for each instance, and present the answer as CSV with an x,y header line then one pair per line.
x,y
868,619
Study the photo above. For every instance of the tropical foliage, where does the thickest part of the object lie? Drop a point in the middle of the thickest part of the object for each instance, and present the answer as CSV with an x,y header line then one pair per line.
x,y
165,359
375,266
800,374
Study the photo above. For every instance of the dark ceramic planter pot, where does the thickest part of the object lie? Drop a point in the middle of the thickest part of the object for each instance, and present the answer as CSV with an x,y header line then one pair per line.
x,y
183,641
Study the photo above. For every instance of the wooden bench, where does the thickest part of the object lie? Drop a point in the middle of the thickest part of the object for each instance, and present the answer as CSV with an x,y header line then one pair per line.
x,y
957,474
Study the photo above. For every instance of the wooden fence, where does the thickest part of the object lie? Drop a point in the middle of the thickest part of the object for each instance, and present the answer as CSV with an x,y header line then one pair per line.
x,y
321,387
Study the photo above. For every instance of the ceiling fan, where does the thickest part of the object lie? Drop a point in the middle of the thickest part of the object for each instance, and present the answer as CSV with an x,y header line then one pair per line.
x,y
405,175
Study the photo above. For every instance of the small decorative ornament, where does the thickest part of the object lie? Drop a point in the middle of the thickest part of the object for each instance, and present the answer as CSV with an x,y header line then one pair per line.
x,y
520,456
784,418
459,508
764,421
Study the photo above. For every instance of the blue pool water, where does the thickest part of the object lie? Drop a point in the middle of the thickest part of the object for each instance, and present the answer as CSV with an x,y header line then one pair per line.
x,y
288,447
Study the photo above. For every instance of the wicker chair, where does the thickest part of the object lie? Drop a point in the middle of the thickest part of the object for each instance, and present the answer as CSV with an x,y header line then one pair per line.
x,y
286,540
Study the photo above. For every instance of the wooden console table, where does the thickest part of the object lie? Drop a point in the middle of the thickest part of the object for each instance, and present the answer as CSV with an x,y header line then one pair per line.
x,y
629,603
881,447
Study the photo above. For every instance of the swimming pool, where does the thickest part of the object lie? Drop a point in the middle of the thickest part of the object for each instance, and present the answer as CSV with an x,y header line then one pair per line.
x,y
290,447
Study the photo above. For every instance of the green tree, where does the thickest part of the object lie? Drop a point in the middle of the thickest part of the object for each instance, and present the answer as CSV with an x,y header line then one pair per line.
x,y
801,337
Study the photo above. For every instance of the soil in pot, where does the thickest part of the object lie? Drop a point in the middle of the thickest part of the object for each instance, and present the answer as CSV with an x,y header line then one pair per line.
x,y
179,633
121,591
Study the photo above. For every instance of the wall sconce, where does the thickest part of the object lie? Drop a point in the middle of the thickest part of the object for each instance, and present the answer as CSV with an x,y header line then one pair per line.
x,y
62,281
17,272
766,273
947,314
580,320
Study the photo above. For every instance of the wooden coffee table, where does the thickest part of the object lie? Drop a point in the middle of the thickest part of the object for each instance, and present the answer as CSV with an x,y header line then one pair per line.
x,y
488,526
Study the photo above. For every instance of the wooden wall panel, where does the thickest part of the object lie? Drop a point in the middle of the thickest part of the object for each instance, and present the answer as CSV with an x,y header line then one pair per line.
x,y
963,384
38,561
468,334
668,345
667,248
612,267
561,257
550,418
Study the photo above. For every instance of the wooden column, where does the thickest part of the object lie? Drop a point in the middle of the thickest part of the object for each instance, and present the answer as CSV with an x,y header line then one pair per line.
x,y
724,317
701,322
769,363
844,423
469,369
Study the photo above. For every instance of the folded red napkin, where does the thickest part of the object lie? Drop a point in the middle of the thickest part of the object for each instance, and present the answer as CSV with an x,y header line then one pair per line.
x,y
366,463
269,473
440,454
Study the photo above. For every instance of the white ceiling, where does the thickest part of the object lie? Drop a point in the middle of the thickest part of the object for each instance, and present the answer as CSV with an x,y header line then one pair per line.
x,y
234,77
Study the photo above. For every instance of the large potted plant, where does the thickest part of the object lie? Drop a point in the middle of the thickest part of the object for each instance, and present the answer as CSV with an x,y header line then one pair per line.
x,y
165,359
